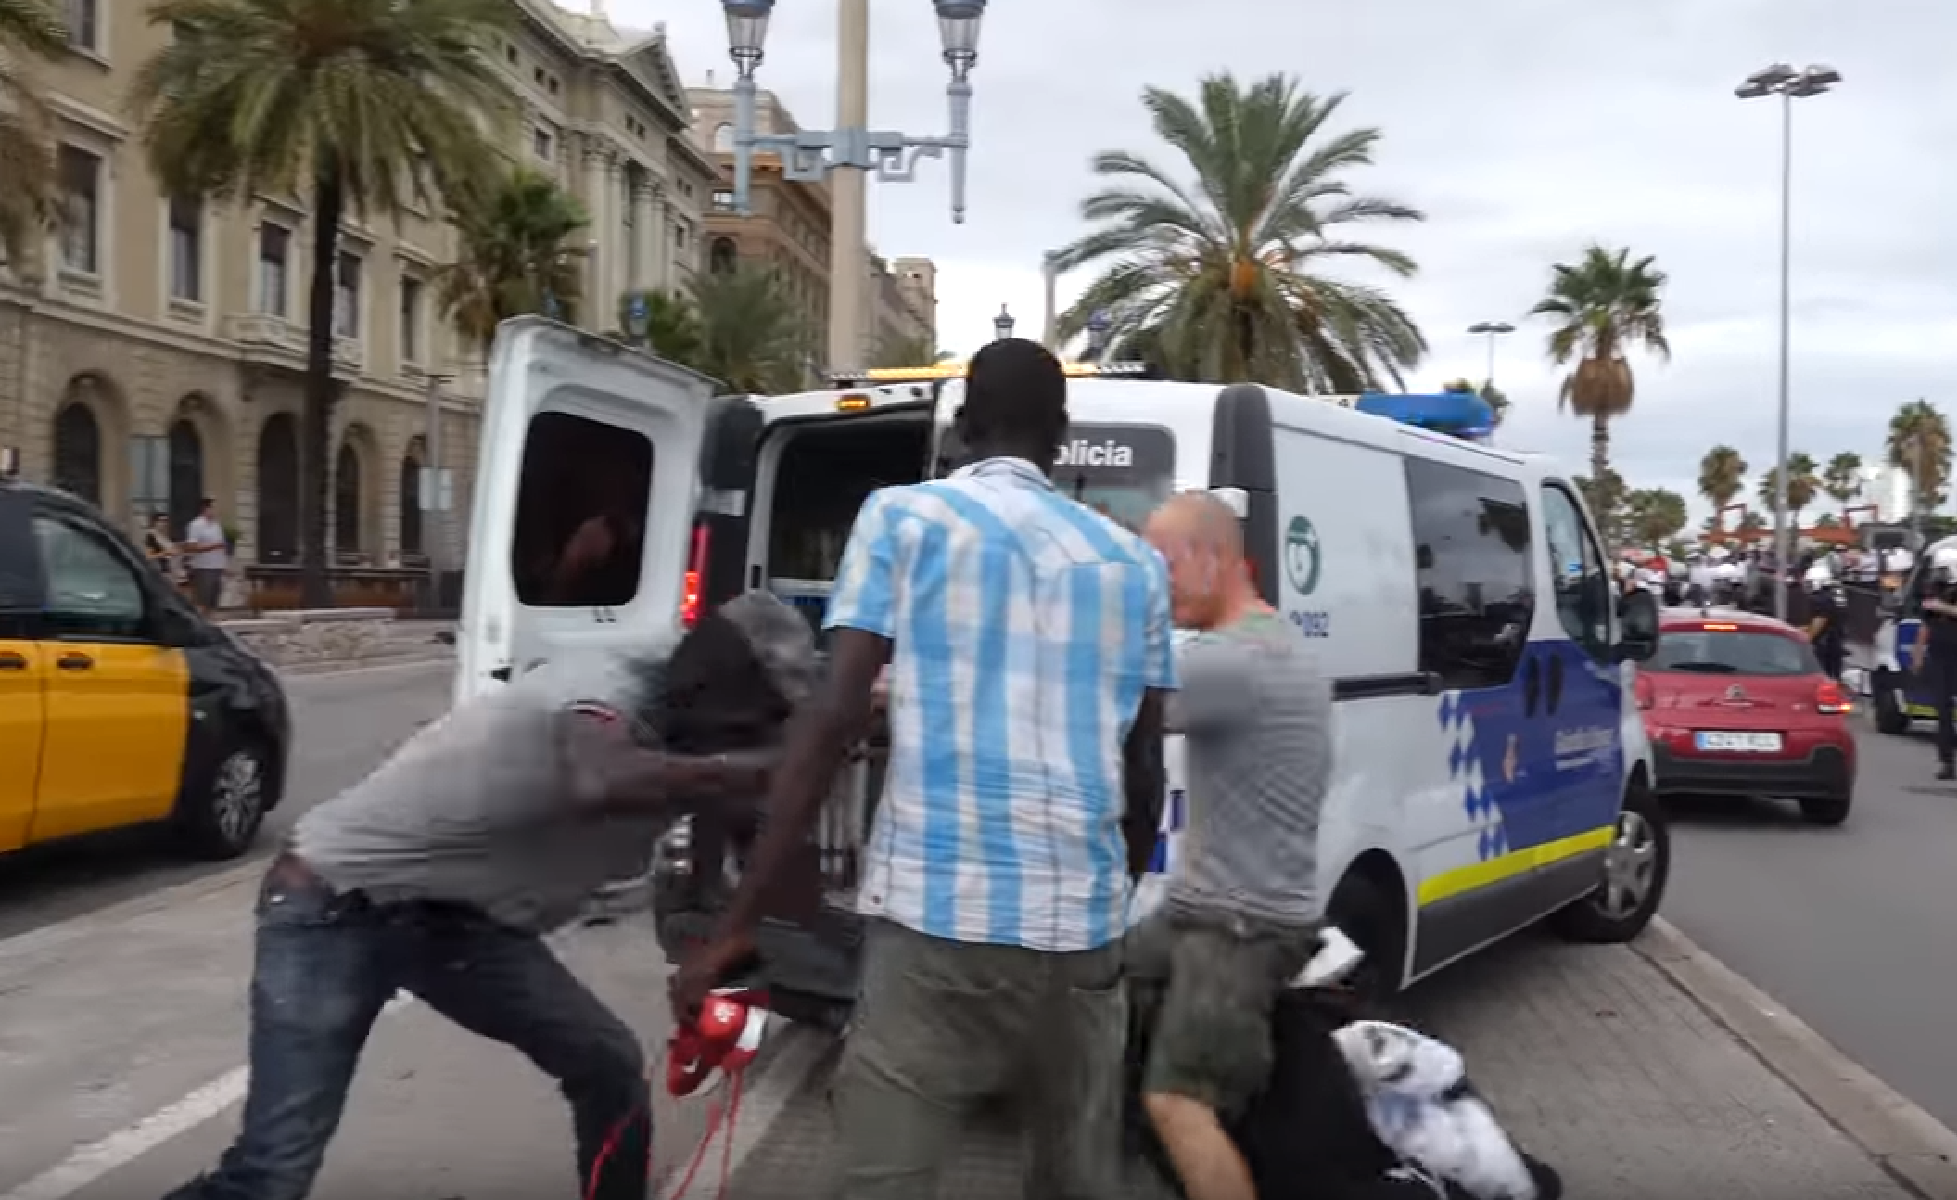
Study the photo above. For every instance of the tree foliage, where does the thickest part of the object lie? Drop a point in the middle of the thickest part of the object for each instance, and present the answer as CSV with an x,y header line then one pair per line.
x,y
1919,444
515,254
30,30
1603,306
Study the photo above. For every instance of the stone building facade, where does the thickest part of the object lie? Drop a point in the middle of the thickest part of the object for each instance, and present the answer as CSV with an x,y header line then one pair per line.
x,y
153,353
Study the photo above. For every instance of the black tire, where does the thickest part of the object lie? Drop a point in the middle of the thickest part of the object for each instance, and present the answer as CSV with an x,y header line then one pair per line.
x,y
1634,883
1886,696
221,820
1826,813
1370,917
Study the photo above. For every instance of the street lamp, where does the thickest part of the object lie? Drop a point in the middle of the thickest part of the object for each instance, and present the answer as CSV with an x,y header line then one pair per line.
x,y
852,150
1790,85
1492,330
1003,323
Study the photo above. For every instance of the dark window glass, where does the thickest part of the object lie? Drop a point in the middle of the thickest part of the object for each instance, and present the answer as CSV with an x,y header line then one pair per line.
x,y
1744,652
1123,472
1471,558
278,490
78,452
1584,595
92,591
186,475
346,502
580,513
410,506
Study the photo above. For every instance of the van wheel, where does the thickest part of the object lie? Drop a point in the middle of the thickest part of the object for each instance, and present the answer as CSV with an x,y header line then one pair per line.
x,y
1637,864
221,821
1362,908
1890,715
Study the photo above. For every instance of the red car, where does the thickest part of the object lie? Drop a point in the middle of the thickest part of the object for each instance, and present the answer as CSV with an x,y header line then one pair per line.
x,y
1737,705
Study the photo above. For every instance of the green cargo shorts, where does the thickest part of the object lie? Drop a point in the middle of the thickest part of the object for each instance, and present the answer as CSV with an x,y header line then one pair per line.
x,y
1204,987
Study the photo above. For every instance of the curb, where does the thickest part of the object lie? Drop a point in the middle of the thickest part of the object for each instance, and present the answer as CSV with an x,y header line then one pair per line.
x,y
1909,1143
327,667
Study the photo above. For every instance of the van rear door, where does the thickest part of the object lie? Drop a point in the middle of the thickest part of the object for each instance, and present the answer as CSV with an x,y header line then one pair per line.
x,y
577,429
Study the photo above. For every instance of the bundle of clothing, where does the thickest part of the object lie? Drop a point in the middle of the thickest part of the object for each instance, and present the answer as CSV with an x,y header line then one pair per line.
x,y
1366,1110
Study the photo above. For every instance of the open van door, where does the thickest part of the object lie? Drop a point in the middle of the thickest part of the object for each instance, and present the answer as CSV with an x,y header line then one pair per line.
x,y
585,443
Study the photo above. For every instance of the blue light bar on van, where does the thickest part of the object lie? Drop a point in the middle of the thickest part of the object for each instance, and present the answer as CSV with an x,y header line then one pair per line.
x,y
1461,414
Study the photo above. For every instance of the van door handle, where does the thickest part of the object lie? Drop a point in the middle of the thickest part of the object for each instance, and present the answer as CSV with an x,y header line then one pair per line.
x,y
12,662
74,662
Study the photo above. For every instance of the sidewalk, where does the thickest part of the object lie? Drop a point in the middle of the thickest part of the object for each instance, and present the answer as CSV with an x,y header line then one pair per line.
x,y
1596,1060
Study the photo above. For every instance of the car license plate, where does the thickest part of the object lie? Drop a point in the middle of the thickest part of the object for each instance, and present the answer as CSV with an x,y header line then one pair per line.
x,y
1745,743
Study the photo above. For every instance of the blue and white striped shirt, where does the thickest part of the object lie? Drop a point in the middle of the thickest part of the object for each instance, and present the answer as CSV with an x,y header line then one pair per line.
x,y
1025,628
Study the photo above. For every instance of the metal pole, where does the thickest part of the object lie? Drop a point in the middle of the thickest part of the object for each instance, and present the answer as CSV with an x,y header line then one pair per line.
x,y
434,527
1049,328
1490,377
848,272
1783,535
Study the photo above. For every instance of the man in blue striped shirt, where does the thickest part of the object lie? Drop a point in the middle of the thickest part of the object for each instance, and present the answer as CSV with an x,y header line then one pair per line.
x,y
1028,640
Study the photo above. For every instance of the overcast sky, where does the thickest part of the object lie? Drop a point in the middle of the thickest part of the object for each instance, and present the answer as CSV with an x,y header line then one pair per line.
x,y
1524,128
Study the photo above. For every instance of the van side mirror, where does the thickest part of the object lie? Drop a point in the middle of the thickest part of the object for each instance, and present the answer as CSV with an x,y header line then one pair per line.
x,y
1637,626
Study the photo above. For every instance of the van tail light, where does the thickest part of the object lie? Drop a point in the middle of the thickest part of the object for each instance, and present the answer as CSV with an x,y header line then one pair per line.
x,y
1645,692
1829,698
693,586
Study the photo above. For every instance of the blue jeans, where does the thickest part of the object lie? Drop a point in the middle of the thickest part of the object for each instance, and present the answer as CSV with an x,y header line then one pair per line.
x,y
327,963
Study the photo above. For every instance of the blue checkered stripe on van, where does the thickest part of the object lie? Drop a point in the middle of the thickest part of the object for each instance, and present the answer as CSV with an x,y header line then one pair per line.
x,y
1173,822
1465,756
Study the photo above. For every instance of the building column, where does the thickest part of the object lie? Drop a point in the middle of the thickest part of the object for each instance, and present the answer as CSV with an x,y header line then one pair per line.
x,y
645,236
597,192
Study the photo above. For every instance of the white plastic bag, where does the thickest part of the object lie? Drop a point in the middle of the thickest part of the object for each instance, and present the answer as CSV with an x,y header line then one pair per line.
x,y
1419,1104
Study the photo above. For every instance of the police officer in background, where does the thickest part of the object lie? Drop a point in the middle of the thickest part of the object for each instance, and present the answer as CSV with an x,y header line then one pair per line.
x,y
1827,609
1936,658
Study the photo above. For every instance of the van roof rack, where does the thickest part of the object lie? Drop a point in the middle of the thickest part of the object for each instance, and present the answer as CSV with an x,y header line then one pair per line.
x,y
895,375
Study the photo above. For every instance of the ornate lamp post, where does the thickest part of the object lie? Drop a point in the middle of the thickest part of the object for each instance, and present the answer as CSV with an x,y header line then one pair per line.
x,y
1002,324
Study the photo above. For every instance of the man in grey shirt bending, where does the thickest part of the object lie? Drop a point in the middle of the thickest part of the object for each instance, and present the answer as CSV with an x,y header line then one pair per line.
x,y
1240,915
440,873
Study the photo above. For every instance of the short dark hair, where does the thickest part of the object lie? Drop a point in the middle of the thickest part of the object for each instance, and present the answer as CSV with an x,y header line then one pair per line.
x,y
206,502
1015,391
718,694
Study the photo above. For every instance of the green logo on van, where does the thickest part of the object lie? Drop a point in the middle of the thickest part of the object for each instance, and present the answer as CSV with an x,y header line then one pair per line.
x,y
1301,558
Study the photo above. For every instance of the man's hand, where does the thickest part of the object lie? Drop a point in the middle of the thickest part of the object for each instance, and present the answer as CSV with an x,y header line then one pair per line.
x,y
704,969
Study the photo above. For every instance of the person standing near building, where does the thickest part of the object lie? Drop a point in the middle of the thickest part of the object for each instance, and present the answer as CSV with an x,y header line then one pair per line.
x,y
1030,655
161,552
208,552
1240,915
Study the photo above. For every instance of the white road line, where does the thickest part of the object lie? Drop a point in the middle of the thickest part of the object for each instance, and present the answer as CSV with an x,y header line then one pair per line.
x,y
775,1084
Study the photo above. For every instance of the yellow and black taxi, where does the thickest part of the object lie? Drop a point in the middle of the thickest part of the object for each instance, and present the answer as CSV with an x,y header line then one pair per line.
x,y
120,705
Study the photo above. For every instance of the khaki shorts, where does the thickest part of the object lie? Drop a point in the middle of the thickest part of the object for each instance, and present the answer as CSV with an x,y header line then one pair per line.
x,y
1204,988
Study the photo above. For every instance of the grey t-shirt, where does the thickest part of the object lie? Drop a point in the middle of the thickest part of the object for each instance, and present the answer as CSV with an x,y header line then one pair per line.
x,y
1256,714
475,809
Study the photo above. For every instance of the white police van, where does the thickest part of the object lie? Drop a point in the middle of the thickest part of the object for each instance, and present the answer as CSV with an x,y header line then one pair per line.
x,y
1491,769
1900,694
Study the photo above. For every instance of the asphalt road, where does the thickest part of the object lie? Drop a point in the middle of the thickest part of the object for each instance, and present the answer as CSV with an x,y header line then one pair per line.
x,y
1854,929
343,724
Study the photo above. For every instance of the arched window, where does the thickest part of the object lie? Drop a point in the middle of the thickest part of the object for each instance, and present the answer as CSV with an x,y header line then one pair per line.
x,y
723,255
723,138
410,505
278,490
346,500
186,474
78,451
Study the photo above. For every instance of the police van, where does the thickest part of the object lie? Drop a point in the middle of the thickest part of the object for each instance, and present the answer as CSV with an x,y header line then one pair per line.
x,y
1492,767
1899,693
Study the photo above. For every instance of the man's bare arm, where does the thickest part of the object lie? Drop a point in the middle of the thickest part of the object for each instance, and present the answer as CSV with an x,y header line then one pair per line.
x,y
609,772
1142,783
818,739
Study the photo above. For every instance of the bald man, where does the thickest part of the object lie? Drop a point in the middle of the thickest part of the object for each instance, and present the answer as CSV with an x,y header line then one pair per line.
x,y
1241,910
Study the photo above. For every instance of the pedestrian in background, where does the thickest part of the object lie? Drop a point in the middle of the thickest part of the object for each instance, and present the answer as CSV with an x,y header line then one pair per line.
x,y
1827,610
1029,645
208,552
160,550
1239,918
1936,655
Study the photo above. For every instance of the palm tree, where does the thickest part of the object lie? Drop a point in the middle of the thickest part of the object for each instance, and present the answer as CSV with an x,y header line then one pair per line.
x,y
1603,306
910,352
1218,278
1722,475
357,105
1919,444
672,327
1842,479
28,29
1803,481
515,254
753,336
1654,515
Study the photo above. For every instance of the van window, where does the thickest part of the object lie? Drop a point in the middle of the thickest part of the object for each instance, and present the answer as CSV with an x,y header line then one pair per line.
x,y
1471,557
581,513
1124,472
1583,587
825,474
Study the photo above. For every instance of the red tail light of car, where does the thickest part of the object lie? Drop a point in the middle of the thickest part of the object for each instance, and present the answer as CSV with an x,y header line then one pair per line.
x,y
1829,698
694,582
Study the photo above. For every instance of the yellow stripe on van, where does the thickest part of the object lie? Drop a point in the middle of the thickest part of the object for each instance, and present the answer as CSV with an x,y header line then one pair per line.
x,y
1462,880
